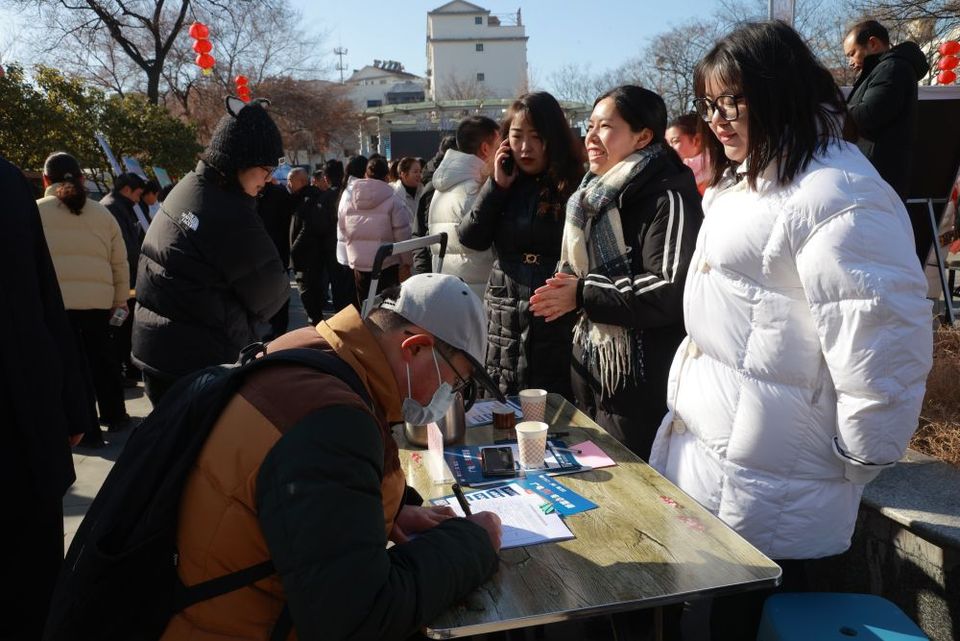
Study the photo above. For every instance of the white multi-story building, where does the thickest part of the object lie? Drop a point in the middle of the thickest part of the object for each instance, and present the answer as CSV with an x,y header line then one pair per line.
x,y
473,54
384,83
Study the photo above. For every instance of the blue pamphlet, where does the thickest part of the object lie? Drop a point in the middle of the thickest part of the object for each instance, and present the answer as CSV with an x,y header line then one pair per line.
x,y
564,500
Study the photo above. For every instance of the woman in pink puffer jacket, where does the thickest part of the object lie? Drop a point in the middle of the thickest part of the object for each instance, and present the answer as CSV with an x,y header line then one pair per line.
x,y
371,214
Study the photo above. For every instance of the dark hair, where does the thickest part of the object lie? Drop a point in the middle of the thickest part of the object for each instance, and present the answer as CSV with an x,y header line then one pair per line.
x,y
795,109
474,131
317,173
62,169
392,173
447,143
151,187
333,170
406,164
688,124
356,166
164,193
641,108
377,168
564,153
128,179
866,29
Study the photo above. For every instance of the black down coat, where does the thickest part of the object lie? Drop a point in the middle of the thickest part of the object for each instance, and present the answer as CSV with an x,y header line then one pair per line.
x,y
883,104
209,275
522,351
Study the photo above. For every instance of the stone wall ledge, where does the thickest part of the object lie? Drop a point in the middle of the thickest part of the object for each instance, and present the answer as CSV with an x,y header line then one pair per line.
x,y
922,494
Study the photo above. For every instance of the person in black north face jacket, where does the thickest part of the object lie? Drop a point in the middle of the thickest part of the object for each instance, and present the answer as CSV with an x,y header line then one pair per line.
x,y
209,274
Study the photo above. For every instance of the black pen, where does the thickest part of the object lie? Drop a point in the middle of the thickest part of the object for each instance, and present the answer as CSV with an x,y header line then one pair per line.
x,y
557,434
461,499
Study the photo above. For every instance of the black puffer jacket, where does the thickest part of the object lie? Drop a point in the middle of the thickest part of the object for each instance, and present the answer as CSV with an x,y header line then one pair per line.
x,y
313,228
883,104
660,214
209,274
522,351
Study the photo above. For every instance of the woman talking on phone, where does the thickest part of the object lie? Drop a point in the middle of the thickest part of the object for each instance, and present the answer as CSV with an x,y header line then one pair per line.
x,y
519,211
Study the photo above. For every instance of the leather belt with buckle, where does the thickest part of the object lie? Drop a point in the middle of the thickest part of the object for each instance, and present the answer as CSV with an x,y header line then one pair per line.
x,y
530,259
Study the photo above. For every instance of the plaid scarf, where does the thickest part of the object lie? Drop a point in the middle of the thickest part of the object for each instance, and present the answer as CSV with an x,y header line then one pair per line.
x,y
593,244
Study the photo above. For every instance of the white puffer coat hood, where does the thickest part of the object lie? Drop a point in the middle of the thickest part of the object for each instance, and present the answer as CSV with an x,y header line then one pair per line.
x,y
456,183
809,342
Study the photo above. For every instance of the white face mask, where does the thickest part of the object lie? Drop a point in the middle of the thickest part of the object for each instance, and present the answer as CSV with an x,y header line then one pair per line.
x,y
415,413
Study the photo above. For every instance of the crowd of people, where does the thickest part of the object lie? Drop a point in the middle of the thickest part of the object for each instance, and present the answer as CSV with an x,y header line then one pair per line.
x,y
734,294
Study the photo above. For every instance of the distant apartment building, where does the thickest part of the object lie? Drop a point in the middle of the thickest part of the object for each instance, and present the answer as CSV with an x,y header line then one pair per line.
x,y
384,83
474,54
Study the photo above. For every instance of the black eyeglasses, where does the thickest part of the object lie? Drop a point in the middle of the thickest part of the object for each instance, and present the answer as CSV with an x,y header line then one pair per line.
x,y
461,381
727,104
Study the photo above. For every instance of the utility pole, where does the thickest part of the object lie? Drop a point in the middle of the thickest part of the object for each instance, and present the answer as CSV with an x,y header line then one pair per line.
x,y
340,52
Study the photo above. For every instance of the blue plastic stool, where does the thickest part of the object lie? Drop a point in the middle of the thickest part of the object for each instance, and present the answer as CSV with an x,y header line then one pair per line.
x,y
833,616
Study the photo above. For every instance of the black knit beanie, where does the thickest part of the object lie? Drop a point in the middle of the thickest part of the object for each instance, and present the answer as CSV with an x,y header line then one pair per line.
x,y
245,137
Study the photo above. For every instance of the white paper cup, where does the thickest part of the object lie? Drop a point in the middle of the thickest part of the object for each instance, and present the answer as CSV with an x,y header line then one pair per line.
x,y
533,403
531,444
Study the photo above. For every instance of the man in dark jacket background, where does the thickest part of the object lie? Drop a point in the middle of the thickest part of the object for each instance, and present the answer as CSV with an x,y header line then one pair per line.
x,y
883,101
121,201
311,228
275,207
209,274
43,410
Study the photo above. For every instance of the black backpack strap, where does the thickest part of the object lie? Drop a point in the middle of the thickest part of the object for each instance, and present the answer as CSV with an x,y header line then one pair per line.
x,y
315,359
281,629
188,596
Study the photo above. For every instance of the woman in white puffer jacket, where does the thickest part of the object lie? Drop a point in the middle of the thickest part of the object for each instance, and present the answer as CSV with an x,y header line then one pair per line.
x,y
809,334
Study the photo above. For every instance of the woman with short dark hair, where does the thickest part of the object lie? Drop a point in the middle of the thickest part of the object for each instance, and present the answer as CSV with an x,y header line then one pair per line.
x,y
630,231
519,211
809,333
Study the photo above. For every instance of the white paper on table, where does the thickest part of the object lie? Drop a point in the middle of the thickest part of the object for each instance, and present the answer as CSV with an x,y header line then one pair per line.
x,y
482,412
524,523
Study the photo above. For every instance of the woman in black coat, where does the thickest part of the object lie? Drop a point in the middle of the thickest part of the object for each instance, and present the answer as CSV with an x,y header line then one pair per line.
x,y
630,231
519,211
209,274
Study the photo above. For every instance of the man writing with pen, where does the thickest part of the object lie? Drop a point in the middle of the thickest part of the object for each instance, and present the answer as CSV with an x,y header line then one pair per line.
x,y
299,469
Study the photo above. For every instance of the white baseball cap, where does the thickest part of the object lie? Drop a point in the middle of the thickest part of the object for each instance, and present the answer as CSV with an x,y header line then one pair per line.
x,y
447,308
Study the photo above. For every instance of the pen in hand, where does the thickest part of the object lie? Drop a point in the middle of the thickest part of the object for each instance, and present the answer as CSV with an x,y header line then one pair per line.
x,y
461,499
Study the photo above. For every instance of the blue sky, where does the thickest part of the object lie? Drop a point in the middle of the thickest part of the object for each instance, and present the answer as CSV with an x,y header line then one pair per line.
x,y
602,33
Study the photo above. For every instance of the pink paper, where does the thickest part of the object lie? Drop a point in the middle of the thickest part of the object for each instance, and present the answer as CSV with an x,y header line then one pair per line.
x,y
591,455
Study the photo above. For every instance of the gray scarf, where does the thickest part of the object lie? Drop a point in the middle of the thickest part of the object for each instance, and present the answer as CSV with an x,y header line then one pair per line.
x,y
593,244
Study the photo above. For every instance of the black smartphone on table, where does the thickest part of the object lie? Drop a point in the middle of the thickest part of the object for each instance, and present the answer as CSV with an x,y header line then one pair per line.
x,y
497,461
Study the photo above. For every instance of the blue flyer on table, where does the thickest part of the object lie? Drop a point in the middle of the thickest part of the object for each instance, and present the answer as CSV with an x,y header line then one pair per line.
x,y
565,501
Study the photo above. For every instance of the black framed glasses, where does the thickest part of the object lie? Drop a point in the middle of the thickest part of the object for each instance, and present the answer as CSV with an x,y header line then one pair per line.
x,y
727,104
461,381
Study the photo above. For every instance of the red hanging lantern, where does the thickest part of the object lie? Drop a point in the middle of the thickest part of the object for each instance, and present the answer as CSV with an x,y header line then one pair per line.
x,y
948,62
205,61
946,77
240,80
949,48
203,46
199,31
